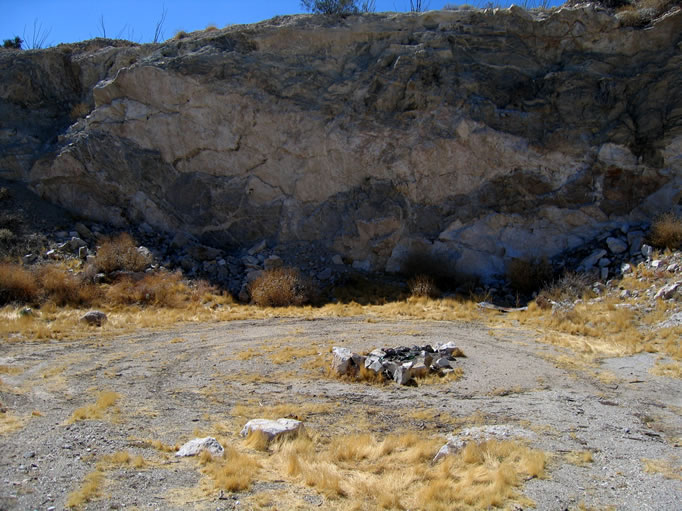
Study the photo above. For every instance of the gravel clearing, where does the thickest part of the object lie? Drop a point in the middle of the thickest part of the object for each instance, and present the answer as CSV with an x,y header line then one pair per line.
x,y
180,383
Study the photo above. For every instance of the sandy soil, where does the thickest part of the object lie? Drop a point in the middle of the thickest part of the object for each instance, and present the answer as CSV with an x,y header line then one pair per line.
x,y
186,381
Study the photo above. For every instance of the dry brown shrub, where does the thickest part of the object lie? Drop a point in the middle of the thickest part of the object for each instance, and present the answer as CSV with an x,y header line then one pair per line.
x,y
528,275
571,286
64,288
666,231
79,110
17,284
120,253
281,287
160,289
423,285
180,34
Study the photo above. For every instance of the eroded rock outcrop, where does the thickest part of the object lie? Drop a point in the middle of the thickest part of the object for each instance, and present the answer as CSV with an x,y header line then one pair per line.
x,y
476,135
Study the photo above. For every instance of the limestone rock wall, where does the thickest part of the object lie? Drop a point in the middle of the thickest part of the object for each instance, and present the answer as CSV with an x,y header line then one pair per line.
x,y
477,135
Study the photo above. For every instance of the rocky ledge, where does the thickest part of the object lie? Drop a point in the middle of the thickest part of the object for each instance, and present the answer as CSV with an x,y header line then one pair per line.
x,y
477,136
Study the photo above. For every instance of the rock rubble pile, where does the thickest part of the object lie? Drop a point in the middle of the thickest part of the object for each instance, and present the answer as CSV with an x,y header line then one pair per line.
x,y
402,364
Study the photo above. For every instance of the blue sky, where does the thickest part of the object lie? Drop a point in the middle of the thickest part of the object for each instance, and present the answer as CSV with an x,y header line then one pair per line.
x,y
77,20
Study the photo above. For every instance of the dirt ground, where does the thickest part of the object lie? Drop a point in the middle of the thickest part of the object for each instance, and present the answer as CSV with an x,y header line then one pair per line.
x,y
209,379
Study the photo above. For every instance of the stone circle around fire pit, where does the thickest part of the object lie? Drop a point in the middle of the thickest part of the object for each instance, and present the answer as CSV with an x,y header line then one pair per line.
x,y
401,364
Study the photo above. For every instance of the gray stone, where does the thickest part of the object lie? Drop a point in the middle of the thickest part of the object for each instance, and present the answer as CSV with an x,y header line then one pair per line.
x,y
83,231
258,247
29,258
273,428
362,265
337,259
604,273
195,446
325,274
604,261
94,317
626,268
83,252
52,254
592,259
635,239
441,363
272,262
647,250
616,245
342,361
403,374
481,434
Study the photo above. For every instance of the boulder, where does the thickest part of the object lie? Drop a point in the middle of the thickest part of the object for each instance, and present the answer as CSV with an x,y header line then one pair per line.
x,y
480,434
195,446
616,245
668,291
273,428
94,317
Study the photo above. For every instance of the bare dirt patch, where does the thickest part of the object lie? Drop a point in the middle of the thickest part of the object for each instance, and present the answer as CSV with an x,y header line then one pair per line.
x,y
599,435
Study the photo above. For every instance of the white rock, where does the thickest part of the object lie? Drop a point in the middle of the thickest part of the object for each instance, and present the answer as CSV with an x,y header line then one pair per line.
x,y
480,434
345,361
626,268
647,250
195,446
667,291
403,373
94,318
272,428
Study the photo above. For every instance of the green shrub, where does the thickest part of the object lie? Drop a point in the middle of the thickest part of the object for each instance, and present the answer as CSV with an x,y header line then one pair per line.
x,y
14,44
281,287
338,7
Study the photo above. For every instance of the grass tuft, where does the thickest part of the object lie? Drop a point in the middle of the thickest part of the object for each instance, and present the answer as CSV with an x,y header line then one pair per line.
x,y
281,287
666,231
423,285
105,400
120,253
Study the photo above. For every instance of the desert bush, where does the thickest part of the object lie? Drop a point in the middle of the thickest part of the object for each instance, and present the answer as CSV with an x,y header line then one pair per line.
x,y
338,7
423,285
17,284
367,290
120,253
64,288
570,287
6,236
162,289
528,275
666,231
180,34
4,193
14,44
79,110
421,262
281,287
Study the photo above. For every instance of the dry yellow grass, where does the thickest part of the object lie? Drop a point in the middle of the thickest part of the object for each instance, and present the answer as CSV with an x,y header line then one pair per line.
x,y
10,423
579,458
97,410
89,490
234,471
671,369
301,411
667,468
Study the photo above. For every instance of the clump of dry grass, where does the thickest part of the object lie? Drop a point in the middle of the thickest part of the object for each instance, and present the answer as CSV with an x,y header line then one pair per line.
x,y
17,284
162,289
64,288
105,400
666,231
281,287
579,458
234,471
528,275
423,285
569,287
88,491
120,253
664,467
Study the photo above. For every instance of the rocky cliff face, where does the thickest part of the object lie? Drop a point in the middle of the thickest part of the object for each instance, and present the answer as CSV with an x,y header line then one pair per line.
x,y
476,135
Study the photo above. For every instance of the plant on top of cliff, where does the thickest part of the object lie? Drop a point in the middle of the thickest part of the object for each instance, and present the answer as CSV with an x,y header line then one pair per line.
x,y
13,44
666,231
121,253
281,287
338,7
